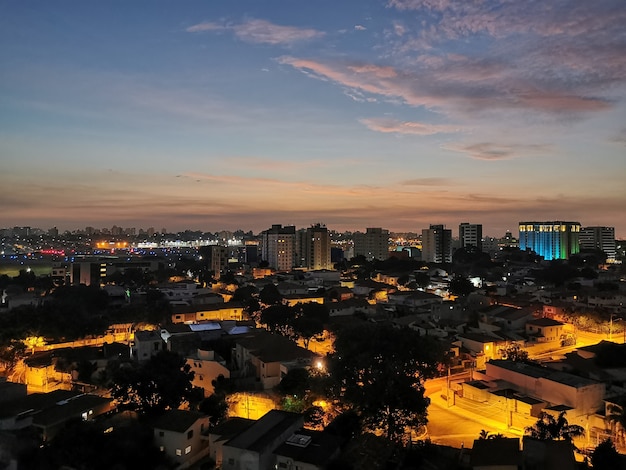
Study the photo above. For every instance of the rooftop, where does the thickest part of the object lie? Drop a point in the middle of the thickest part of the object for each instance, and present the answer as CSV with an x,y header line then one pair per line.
x,y
265,430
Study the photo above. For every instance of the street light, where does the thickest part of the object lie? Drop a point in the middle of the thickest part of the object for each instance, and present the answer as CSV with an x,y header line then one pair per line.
x,y
611,328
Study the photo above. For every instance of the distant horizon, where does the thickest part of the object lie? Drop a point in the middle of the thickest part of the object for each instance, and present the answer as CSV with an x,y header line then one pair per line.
x,y
157,229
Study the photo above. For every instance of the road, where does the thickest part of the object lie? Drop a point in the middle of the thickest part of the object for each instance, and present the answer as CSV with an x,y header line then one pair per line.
x,y
454,426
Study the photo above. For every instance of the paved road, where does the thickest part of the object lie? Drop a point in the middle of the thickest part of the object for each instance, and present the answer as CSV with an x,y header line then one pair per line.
x,y
453,425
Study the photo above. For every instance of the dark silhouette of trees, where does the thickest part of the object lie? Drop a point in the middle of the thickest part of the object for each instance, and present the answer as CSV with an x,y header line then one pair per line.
x,y
422,279
605,456
515,353
461,286
279,318
379,371
295,382
162,383
549,428
309,321
269,295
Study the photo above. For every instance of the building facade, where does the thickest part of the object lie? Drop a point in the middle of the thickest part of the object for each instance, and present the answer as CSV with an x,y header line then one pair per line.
x,y
316,248
599,238
552,240
278,246
471,235
437,244
373,244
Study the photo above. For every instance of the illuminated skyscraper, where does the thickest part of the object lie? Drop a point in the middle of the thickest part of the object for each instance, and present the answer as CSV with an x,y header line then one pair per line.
x,y
552,240
317,248
278,247
437,244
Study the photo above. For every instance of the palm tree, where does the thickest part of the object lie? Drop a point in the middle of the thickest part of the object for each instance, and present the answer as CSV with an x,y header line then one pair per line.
x,y
616,415
548,428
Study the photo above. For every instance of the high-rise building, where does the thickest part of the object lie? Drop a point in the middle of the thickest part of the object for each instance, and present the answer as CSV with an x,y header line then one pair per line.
x,y
437,244
278,247
471,235
317,248
599,238
373,244
552,240
218,259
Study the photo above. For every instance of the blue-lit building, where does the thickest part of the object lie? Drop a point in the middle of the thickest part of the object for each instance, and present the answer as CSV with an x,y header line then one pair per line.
x,y
552,240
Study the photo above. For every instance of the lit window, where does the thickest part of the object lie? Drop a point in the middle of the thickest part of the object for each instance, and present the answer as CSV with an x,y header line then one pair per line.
x,y
187,449
179,452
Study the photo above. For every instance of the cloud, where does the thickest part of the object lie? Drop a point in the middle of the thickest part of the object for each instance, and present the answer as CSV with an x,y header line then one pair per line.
x,y
406,127
459,85
426,182
208,26
261,32
491,151
359,27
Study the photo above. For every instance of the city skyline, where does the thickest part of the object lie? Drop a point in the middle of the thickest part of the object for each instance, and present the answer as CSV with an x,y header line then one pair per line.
x,y
396,114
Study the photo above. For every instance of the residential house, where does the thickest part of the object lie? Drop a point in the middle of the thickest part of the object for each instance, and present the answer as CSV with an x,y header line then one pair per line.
x,y
482,345
180,434
253,449
199,313
544,330
45,372
496,454
294,299
548,455
268,357
350,307
207,367
408,300
147,343
307,450
224,432
49,412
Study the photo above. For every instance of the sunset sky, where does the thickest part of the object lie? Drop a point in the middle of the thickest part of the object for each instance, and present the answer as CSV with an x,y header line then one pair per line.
x,y
212,115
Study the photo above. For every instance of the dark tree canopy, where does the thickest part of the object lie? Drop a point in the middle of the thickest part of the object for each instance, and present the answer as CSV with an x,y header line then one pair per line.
x,y
269,295
549,428
278,318
379,371
309,320
162,383
605,456
461,286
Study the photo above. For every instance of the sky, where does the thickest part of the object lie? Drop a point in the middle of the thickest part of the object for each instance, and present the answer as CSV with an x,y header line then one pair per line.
x,y
221,115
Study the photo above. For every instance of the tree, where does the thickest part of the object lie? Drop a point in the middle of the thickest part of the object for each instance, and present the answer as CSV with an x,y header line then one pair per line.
x,y
461,286
484,434
605,456
269,295
215,407
279,319
162,383
379,371
617,417
515,353
295,382
422,279
309,321
549,428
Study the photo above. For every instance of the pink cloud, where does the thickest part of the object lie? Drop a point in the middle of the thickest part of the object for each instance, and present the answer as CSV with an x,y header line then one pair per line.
x,y
491,151
406,127
261,31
